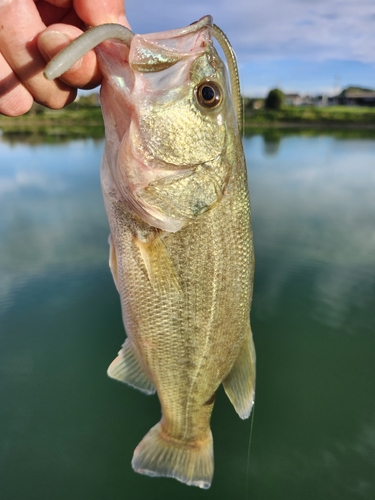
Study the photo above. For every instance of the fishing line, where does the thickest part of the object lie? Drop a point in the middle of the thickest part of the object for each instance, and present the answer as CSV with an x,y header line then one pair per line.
x,y
239,109
248,454
230,56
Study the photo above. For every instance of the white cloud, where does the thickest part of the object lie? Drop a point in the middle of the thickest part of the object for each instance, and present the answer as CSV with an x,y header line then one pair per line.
x,y
309,29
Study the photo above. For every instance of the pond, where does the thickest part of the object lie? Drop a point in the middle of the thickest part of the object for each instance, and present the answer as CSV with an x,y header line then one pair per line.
x,y
67,432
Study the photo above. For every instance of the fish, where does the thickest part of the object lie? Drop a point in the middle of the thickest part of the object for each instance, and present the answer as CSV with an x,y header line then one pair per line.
x,y
176,194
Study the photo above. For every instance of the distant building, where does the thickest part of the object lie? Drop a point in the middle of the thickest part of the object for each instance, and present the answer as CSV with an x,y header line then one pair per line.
x,y
293,99
320,100
254,103
298,100
355,96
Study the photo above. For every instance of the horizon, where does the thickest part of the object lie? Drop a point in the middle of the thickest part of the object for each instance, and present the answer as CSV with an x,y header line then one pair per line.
x,y
301,94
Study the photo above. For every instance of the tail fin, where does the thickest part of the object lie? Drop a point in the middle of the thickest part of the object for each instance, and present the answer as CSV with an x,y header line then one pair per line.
x,y
156,455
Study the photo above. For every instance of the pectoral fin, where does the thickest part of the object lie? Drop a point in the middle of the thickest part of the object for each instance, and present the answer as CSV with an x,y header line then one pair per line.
x,y
240,383
113,261
126,368
159,265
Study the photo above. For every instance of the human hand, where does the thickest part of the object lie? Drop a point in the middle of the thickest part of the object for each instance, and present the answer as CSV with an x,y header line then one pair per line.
x,y
31,33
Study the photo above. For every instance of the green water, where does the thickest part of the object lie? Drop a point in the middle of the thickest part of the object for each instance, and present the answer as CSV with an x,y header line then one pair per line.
x,y
67,432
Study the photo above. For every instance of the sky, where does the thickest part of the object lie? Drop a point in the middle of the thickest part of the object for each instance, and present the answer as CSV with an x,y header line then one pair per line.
x,y
305,46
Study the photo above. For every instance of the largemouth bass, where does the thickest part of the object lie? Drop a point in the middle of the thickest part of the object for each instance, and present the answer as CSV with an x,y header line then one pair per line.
x,y
175,189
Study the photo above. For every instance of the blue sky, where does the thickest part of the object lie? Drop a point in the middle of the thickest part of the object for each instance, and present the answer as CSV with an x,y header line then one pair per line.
x,y
306,46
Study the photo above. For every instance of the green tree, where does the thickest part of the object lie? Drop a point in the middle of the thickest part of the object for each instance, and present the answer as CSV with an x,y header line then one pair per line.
x,y
275,99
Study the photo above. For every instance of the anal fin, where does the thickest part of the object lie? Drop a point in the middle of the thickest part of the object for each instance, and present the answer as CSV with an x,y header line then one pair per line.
x,y
240,383
160,268
126,368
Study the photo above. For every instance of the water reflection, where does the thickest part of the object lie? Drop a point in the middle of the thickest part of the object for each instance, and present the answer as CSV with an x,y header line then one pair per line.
x,y
272,140
313,207
313,213
70,433
51,210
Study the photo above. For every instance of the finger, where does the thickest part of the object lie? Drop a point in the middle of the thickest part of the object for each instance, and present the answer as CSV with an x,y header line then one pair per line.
x,y
95,12
64,4
52,14
85,72
20,25
15,99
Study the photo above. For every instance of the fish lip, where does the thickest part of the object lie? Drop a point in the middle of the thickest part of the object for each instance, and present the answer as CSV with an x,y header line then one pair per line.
x,y
197,25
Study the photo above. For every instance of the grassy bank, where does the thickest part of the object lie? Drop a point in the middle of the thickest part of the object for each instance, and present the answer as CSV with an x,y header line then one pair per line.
x,y
85,120
71,122
329,117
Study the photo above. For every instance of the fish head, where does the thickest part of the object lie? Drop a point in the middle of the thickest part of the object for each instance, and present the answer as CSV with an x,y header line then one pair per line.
x,y
170,123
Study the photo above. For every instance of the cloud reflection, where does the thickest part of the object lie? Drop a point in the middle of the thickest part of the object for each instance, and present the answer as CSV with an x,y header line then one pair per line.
x,y
313,211
51,211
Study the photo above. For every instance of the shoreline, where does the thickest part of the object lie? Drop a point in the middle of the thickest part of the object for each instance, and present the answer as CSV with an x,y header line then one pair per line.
x,y
6,125
86,121
319,125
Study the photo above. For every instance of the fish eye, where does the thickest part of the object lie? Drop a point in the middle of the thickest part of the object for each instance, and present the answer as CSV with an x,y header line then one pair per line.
x,y
209,95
